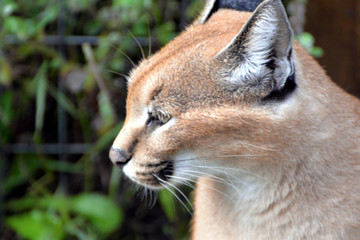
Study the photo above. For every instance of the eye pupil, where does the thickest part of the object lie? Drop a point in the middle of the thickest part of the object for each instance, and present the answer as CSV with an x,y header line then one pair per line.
x,y
153,120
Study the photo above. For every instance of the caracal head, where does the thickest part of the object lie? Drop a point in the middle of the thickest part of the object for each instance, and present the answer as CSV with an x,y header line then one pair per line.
x,y
208,98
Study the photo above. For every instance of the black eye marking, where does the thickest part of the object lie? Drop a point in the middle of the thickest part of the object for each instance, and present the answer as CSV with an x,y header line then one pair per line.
x,y
156,92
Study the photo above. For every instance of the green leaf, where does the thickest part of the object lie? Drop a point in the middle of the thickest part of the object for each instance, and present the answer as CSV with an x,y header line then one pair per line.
x,y
6,111
8,8
103,213
140,28
6,116
106,138
106,110
22,204
307,41
193,9
80,5
21,169
107,44
26,50
60,166
123,3
36,225
41,86
63,101
49,15
22,28
165,32
104,141
166,200
317,52
114,181
58,202
5,72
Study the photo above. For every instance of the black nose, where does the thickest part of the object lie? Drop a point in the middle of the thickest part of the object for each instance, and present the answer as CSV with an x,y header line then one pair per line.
x,y
119,157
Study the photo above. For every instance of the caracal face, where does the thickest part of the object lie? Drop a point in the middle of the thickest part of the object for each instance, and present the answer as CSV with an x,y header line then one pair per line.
x,y
197,103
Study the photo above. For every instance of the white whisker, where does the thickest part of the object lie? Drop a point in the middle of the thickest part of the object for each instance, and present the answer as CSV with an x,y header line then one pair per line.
x,y
228,175
164,184
218,179
144,193
242,155
267,149
154,199
151,200
124,54
172,185
204,173
139,45
218,168
216,190
222,156
149,36
184,181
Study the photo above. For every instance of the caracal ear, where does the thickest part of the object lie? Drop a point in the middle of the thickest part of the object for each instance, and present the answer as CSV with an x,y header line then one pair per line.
x,y
212,6
259,59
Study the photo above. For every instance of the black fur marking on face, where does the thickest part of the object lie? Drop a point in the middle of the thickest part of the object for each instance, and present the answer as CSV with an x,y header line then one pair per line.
x,y
167,171
279,95
156,92
132,147
154,165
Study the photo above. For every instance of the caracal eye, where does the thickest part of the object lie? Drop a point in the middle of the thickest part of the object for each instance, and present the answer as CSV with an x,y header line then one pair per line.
x,y
163,117
157,118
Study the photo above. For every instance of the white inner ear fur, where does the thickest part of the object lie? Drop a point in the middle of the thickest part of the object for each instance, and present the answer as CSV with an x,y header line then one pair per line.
x,y
282,72
258,46
269,33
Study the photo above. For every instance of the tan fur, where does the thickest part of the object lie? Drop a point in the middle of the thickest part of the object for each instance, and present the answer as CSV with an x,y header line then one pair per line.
x,y
298,162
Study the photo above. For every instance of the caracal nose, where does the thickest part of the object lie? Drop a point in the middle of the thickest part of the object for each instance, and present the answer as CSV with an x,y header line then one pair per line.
x,y
118,156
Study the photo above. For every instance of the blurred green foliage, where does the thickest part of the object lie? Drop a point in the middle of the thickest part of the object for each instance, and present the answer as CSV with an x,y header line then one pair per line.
x,y
307,41
96,202
85,216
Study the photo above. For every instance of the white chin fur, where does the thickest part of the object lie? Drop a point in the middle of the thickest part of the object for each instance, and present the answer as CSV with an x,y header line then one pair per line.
x,y
130,171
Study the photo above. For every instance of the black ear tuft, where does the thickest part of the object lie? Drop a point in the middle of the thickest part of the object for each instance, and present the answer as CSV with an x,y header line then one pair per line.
x,y
241,5
214,8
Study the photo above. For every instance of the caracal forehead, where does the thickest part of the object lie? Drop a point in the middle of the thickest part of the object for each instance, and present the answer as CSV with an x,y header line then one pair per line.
x,y
186,55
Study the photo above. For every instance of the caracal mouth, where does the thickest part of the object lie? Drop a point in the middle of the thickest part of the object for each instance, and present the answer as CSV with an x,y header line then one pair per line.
x,y
154,176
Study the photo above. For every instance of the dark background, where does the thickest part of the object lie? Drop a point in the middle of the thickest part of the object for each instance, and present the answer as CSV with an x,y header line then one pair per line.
x,y
336,28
